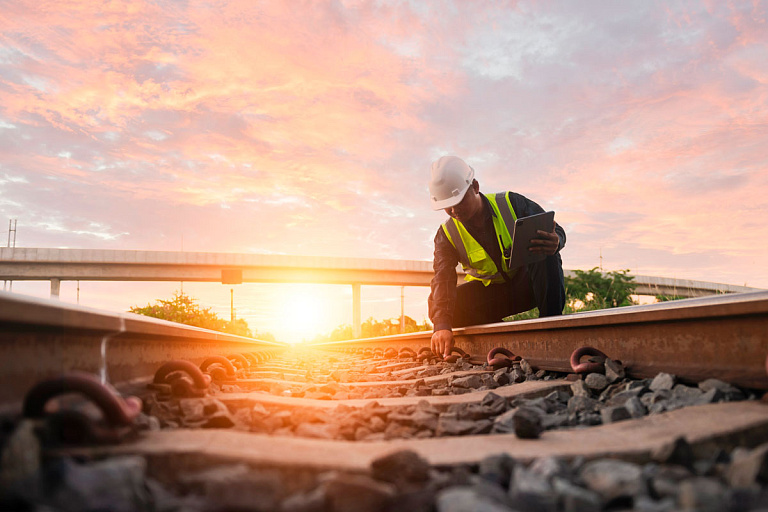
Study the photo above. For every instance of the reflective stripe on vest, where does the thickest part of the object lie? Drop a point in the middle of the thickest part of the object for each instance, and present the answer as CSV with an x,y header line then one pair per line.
x,y
475,260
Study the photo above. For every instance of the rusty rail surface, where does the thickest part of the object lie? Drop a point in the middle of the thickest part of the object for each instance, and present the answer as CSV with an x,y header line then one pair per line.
x,y
723,336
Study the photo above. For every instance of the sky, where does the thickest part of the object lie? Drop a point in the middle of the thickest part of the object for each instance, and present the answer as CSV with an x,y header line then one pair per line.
x,y
308,128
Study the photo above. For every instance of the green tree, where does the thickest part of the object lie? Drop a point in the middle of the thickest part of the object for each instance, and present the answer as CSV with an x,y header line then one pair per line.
x,y
598,290
184,309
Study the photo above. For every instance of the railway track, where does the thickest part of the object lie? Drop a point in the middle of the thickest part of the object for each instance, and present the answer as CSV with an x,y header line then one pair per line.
x,y
642,408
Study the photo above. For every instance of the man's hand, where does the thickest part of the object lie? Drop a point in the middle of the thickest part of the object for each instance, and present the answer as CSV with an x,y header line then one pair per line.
x,y
544,243
442,342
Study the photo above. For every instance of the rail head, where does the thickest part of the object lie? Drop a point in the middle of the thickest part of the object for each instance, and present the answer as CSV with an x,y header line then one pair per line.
x,y
21,312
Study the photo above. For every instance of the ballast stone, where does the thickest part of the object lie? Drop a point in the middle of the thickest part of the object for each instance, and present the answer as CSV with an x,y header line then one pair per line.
x,y
497,469
729,392
550,467
448,424
527,423
664,480
596,382
114,484
679,452
702,494
465,498
575,498
749,467
582,404
614,414
663,381
613,479
579,388
531,491
405,466
353,493
635,407
614,371
622,397
467,382
501,377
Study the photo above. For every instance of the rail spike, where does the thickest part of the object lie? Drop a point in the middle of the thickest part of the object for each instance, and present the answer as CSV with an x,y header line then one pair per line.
x,y
589,366
182,379
220,368
239,361
501,357
456,353
71,426
425,354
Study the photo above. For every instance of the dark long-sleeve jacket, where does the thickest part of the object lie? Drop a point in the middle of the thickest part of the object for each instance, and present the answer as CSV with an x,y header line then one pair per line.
x,y
442,298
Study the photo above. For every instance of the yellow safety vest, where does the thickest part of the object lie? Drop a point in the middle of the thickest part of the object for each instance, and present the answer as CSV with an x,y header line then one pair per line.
x,y
475,260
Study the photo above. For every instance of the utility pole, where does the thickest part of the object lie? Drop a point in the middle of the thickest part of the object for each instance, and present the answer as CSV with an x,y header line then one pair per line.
x,y
182,250
11,229
402,309
232,305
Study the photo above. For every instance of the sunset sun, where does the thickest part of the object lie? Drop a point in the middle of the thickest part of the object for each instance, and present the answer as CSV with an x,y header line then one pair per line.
x,y
304,312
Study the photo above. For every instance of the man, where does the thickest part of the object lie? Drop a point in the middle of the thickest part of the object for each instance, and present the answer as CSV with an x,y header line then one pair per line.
x,y
481,225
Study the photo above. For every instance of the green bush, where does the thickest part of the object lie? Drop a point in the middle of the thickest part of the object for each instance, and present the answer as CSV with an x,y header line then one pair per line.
x,y
184,309
598,290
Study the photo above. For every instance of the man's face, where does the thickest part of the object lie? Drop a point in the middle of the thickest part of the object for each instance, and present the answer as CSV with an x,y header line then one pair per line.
x,y
469,206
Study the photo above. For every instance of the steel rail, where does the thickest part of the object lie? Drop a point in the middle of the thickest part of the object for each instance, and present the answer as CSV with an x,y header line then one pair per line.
x,y
721,336
724,337
42,338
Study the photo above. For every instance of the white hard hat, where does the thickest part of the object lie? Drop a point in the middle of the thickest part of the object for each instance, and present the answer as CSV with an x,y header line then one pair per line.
x,y
449,181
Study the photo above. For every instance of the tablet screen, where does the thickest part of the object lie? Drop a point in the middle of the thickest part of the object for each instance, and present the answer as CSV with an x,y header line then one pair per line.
x,y
524,230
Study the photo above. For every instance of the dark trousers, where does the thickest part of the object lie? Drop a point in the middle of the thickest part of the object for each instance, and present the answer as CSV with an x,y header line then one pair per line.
x,y
540,284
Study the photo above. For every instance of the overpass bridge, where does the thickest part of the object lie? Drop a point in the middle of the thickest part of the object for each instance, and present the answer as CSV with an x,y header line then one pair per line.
x,y
56,265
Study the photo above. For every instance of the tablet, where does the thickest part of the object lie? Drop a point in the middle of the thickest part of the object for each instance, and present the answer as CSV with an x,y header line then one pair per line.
x,y
525,228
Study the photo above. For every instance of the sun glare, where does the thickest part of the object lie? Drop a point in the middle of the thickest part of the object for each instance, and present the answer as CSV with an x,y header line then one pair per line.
x,y
304,313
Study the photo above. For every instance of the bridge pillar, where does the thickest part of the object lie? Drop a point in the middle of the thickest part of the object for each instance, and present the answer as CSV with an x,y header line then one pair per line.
x,y
402,309
55,287
356,309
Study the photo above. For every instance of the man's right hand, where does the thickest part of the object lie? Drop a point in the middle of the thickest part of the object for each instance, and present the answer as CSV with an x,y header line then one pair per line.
x,y
442,342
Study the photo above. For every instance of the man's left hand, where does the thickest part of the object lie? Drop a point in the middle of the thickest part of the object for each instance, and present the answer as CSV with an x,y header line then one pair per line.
x,y
545,242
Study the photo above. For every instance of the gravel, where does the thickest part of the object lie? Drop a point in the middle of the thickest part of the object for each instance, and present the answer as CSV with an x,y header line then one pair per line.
x,y
403,480
676,478
592,399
